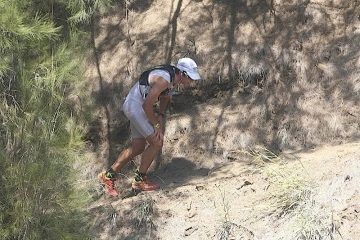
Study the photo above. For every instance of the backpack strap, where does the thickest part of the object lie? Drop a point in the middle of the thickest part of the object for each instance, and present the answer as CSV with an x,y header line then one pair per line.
x,y
144,78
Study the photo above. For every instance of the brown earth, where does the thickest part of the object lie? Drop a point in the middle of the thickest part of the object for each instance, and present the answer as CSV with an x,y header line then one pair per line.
x,y
280,82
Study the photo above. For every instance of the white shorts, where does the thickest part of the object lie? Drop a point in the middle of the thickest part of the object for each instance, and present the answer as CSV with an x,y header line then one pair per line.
x,y
139,123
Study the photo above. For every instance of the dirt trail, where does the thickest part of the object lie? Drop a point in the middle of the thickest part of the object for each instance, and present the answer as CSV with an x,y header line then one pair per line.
x,y
243,195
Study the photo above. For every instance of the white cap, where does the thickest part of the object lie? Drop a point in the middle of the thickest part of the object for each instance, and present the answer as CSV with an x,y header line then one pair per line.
x,y
189,66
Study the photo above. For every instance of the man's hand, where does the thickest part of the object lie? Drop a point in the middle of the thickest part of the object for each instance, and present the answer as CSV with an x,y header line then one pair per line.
x,y
158,135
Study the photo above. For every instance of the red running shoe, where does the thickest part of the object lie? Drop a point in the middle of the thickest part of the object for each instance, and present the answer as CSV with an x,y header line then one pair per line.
x,y
144,185
109,183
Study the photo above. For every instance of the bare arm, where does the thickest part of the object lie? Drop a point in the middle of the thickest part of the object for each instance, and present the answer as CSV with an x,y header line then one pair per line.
x,y
160,85
164,100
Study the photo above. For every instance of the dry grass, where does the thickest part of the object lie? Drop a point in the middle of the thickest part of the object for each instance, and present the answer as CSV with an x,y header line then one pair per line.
x,y
294,190
229,229
144,213
314,225
253,75
294,197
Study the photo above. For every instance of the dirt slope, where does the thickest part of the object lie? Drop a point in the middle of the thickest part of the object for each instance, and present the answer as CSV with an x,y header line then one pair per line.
x,y
278,75
238,197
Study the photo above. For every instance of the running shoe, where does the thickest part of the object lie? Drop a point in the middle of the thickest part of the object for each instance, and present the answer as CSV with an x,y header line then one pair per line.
x,y
109,183
144,185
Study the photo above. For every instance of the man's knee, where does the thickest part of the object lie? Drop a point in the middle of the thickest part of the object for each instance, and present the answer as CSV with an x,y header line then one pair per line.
x,y
137,151
157,145
137,147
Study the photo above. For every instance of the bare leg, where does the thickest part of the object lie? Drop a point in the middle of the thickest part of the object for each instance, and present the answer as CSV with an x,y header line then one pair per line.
x,y
136,148
150,153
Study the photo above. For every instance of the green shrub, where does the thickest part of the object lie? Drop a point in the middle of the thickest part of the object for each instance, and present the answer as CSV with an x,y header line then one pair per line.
x,y
41,194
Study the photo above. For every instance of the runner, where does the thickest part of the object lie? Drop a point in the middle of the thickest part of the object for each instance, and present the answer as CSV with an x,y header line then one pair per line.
x,y
146,126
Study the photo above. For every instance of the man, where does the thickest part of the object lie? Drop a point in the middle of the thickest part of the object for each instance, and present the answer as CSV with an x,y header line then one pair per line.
x,y
146,126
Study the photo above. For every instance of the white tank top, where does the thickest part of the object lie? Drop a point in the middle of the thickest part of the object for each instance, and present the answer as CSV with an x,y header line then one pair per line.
x,y
135,93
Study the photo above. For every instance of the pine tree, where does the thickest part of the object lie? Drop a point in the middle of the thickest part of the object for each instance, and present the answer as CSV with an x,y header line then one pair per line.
x,y
41,45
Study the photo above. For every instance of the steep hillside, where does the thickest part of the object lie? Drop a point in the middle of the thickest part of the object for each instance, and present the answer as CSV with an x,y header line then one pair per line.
x,y
277,75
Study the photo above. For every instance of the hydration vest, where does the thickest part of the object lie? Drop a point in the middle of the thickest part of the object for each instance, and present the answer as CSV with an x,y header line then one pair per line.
x,y
144,84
